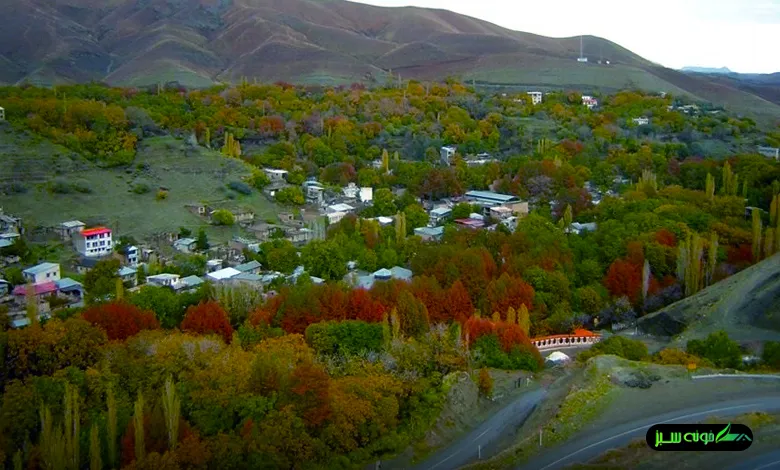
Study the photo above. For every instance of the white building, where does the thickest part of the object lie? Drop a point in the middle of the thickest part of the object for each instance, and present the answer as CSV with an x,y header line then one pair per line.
x,y
41,273
94,242
2,114
131,254
351,191
366,194
185,245
163,280
641,121
536,97
447,152
589,101
223,274
335,217
340,208
437,215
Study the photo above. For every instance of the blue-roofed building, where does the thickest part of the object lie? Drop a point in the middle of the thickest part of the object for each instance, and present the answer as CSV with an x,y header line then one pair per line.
x,y
44,272
400,273
128,275
362,280
252,267
73,290
248,278
490,197
439,214
188,283
429,233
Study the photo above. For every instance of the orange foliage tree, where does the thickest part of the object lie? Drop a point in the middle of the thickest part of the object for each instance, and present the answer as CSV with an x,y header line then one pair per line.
x,y
624,279
208,317
120,319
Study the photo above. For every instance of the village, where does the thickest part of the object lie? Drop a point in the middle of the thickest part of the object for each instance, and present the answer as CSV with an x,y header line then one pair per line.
x,y
52,285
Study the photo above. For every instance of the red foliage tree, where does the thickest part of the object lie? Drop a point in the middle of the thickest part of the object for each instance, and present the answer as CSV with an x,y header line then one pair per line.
x,y
511,335
265,315
120,320
478,327
624,279
505,292
635,253
457,304
208,317
666,238
427,290
310,386
361,306
333,302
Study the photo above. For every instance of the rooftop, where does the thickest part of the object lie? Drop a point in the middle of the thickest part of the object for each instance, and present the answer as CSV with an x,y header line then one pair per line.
x,y
39,289
430,231
185,241
441,211
67,284
72,224
340,208
164,277
401,273
248,266
247,277
491,196
223,274
95,231
125,271
275,171
40,268
193,281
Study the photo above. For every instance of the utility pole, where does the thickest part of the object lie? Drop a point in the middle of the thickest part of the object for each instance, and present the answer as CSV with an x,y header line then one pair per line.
x,y
540,437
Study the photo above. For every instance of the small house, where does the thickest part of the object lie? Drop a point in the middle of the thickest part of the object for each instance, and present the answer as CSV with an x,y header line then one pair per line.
x,y
222,274
366,194
346,208
213,265
276,176
429,233
470,223
335,217
188,283
163,280
84,264
130,254
5,287
252,267
10,224
579,228
72,290
500,212
250,279
185,245
41,290
438,215
67,229
351,191
128,276
44,272
536,97
446,153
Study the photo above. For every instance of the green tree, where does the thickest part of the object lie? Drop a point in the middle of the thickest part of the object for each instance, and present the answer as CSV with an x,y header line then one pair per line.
x,y
291,195
415,216
325,259
202,241
709,187
172,412
138,427
717,348
95,461
757,229
384,202
100,281
223,217
163,302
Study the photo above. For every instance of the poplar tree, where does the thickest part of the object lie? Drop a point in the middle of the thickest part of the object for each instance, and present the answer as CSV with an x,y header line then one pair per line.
x,y
709,186
112,427
138,425
511,316
385,161
757,228
712,258
95,462
72,423
524,319
172,412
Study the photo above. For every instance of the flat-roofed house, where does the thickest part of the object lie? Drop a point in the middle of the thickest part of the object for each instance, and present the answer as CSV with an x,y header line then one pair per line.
x,y
40,273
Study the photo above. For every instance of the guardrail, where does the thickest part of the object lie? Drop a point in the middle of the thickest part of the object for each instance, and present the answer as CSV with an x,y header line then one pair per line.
x,y
739,376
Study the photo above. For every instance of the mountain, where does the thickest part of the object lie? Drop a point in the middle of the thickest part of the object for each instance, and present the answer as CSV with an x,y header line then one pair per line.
x,y
200,42
722,70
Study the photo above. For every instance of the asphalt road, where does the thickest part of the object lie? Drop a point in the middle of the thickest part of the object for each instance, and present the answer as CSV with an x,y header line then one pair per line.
x,y
768,461
590,447
466,450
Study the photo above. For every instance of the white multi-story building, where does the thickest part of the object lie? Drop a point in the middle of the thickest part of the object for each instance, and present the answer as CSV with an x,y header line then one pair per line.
x,y
94,242
641,121
536,97
590,101
447,152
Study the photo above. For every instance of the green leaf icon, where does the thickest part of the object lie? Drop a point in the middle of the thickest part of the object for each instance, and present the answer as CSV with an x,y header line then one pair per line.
x,y
723,433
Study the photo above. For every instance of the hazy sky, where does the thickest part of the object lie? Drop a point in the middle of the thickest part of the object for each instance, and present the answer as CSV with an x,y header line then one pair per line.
x,y
743,35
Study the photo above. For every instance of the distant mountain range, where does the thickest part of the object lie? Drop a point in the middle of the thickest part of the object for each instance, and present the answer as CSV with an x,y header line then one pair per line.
x,y
722,70
200,42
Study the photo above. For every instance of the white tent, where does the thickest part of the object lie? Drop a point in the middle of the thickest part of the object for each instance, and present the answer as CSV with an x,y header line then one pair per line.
x,y
558,357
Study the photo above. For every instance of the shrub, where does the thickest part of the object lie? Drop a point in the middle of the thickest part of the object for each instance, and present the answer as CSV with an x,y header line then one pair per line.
x,y
771,355
626,348
485,383
60,186
717,348
223,217
141,187
81,186
161,195
290,195
674,356
240,187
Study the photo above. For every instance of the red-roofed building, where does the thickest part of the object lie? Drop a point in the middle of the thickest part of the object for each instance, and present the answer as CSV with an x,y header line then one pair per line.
x,y
94,242
42,289
470,223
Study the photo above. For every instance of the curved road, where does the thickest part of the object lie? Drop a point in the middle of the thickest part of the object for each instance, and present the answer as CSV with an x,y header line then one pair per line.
x,y
590,447
466,449
768,461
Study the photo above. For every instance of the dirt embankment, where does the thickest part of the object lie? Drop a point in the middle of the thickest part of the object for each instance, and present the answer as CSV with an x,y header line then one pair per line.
x,y
746,305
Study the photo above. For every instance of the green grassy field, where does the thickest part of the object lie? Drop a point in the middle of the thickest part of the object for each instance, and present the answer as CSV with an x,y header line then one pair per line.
x,y
190,174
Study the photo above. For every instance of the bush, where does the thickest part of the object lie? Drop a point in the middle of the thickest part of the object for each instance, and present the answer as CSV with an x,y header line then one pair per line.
x,y
717,348
347,337
161,195
626,348
291,195
521,357
673,356
771,355
81,186
60,186
485,383
240,187
223,217
141,187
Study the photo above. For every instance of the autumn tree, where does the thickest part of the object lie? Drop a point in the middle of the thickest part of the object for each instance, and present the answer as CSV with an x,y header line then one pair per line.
x,y
208,318
120,320
413,315
485,383
624,279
